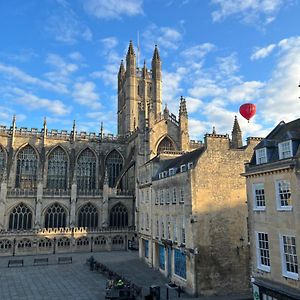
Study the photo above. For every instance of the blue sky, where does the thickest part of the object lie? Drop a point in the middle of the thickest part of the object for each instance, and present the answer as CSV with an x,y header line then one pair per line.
x,y
59,59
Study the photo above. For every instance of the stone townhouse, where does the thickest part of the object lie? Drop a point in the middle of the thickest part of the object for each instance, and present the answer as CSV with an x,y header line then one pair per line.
x,y
274,213
193,215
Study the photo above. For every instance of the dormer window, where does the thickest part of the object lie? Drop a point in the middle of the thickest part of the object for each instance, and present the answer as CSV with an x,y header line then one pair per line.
x,y
165,174
172,171
182,168
261,156
190,165
285,149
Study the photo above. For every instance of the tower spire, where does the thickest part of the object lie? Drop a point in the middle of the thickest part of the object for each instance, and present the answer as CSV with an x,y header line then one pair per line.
x,y
130,49
182,107
156,54
236,133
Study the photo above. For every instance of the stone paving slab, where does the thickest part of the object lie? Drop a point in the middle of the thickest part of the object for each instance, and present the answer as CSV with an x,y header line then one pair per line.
x,y
76,281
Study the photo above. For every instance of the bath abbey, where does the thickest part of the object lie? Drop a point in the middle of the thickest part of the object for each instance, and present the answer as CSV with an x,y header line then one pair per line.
x,y
181,203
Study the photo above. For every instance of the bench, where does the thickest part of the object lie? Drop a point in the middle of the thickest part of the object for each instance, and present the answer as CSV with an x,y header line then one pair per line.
x,y
15,263
65,260
40,261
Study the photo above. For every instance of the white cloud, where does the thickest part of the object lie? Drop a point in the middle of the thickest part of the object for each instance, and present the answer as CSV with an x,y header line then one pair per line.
x,y
16,73
246,91
249,11
280,98
65,26
109,42
166,38
31,101
113,9
198,51
84,93
63,69
76,56
193,104
262,52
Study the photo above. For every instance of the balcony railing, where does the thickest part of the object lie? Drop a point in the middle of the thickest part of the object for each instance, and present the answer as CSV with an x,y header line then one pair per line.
x,y
89,193
57,193
21,192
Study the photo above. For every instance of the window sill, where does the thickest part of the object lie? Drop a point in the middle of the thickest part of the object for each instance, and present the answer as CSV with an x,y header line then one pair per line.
x,y
289,275
285,208
264,268
259,209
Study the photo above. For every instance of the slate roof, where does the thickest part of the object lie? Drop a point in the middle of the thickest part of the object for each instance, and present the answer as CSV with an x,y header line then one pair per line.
x,y
282,132
184,159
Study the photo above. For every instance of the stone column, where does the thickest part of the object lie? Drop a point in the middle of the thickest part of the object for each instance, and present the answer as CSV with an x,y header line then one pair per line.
x,y
105,214
3,194
72,220
38,205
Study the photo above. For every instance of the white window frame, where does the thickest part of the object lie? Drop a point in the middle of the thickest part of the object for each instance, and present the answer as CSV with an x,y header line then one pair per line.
x,y
165,174
190,165
172,171
162,200
286,273
182,168
167,196
278,199
181,196
174,196
261,156
261,266
283,153
255,187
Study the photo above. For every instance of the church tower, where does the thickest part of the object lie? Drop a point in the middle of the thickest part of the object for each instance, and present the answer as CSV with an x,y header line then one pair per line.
x,y
237,141
139,91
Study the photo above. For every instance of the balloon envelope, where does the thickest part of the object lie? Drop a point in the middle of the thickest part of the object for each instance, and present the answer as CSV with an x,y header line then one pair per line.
x,y
248,110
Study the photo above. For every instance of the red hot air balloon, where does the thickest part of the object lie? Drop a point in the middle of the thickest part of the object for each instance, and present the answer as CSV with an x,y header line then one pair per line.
x,y
248,110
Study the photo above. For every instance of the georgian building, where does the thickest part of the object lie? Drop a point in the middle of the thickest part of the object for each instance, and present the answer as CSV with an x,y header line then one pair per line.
x,y
193,215
274,213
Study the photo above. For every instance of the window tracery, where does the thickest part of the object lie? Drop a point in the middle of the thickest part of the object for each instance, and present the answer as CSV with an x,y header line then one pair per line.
x,y
26,173
165,145
20,218
86,170
55,216
88,216
57,169
119,216
114,164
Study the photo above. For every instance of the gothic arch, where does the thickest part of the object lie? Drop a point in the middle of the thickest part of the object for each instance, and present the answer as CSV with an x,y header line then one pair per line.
x,y
165,143
86,169
27,166
88,215
55,216
114,162
57,168
118,216
20,217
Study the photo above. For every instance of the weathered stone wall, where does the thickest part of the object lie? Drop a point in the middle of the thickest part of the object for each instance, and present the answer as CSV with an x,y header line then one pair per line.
x,y
219,205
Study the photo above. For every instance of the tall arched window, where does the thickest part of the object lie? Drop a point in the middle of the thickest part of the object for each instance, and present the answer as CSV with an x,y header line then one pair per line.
x,y
86,170
55,216
119,216
57,169
88,216
26,168
165,144
114,164
2,161
20,218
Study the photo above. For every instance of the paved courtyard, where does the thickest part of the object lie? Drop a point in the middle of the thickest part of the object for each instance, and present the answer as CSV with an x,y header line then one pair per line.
x,y
76,281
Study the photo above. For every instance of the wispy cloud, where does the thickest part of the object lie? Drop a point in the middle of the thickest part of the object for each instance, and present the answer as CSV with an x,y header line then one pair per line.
x,y
260,53
16,73
167,38
33,102
84,94
65,26
62,69
198,51
256,12
113,9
